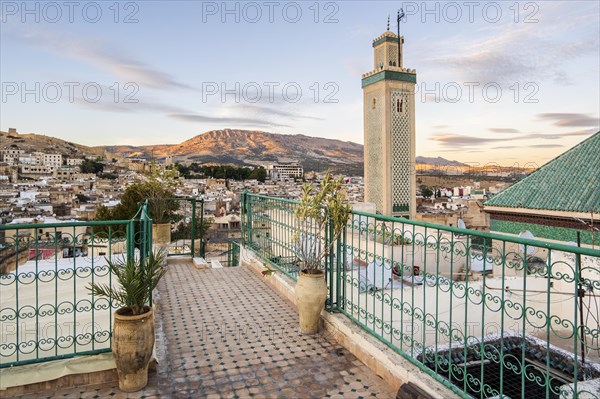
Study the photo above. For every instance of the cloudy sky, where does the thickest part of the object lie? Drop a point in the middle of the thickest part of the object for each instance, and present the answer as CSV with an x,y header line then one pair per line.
x,y
506,82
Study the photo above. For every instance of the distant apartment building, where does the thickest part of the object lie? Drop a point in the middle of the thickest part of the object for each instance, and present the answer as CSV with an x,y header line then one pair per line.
x,y
215,184
25,158
138,165
53,160
9,171
74,161
11,156
284,171
37,158
461,191
33,169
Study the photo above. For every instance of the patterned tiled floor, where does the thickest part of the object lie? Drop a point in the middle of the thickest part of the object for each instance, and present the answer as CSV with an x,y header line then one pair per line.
x,y
224,333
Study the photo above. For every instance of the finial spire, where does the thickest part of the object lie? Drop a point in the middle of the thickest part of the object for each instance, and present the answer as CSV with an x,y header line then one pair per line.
x,y
388,25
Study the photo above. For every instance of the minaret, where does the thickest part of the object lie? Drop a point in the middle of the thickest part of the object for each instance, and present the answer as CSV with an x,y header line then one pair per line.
x,y
389,123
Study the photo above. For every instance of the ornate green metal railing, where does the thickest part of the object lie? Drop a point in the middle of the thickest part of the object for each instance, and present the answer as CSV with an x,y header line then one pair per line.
x,y
487,315
233,253
46,310
186,219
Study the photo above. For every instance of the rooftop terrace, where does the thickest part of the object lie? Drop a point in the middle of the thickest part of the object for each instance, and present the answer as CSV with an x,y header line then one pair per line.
x,y
432,309
224,333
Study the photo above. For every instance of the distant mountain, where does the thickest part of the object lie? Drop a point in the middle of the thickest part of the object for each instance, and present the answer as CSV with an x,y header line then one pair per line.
x,y
239,147
438,161
244,147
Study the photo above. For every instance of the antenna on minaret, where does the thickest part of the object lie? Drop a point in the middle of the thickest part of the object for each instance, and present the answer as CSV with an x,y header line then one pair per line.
x,y
388,28
400,16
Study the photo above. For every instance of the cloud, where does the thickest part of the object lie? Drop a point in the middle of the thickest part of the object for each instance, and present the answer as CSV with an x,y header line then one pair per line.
x,y
503,130
570,119
538,136
511,53
101,55
449,139
545,146
141,106
586,132
460,142
195,117
510,147
262,110
102,98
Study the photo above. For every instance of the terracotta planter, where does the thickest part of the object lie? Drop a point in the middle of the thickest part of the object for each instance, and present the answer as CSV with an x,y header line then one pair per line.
x,y
161,233
311,292
132,343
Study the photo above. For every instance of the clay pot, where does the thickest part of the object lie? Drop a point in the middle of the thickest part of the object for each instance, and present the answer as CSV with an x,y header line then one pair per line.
x,y
132,343
311,292
161,233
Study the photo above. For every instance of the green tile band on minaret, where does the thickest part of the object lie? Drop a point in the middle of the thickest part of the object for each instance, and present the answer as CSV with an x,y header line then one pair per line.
x,y
389,75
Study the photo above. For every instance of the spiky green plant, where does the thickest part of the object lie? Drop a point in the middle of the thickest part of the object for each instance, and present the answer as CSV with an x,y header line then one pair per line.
x,y
318,210
136,279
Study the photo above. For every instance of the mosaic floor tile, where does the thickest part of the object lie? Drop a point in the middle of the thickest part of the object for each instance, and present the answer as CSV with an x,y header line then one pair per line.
x,y
224,333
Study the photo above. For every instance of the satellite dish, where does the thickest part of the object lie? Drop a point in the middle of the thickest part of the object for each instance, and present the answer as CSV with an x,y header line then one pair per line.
x,y
529,236
461,224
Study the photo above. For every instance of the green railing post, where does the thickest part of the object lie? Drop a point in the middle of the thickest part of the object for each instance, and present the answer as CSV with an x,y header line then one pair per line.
x,y
193,229
202,248
340,260
248,208
242,216
329,263
146,232
130,239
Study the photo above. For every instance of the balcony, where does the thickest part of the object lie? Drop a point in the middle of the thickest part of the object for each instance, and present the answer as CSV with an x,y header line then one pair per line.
x,y
420,308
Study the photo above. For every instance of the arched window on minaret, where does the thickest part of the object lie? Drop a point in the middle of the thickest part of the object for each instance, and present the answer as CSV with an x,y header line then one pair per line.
x,y
374,103
399,106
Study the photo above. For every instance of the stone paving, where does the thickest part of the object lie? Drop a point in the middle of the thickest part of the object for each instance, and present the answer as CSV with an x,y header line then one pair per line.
x,y
224,333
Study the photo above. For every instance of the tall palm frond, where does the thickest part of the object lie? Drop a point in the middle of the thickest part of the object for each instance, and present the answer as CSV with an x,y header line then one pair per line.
x,y
136,279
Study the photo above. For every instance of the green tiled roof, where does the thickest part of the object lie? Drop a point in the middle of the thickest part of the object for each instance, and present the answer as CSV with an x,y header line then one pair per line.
x,y
569,182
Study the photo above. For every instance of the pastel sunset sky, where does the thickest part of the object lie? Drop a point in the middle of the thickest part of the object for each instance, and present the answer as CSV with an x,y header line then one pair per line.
x,y
507,82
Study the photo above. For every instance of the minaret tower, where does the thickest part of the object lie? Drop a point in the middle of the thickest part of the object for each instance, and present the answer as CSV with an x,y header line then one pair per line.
x,y
389,125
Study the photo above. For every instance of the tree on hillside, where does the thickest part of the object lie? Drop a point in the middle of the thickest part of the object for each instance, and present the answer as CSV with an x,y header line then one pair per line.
x,y
91,166
426,191
259,174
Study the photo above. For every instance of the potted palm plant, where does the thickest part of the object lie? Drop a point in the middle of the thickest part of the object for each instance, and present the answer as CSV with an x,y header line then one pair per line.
x,y
158,187
318,211
133,328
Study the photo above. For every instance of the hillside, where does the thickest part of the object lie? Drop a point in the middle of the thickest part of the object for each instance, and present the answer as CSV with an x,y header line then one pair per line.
x,y
239,147
438,161
31,142
245,147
